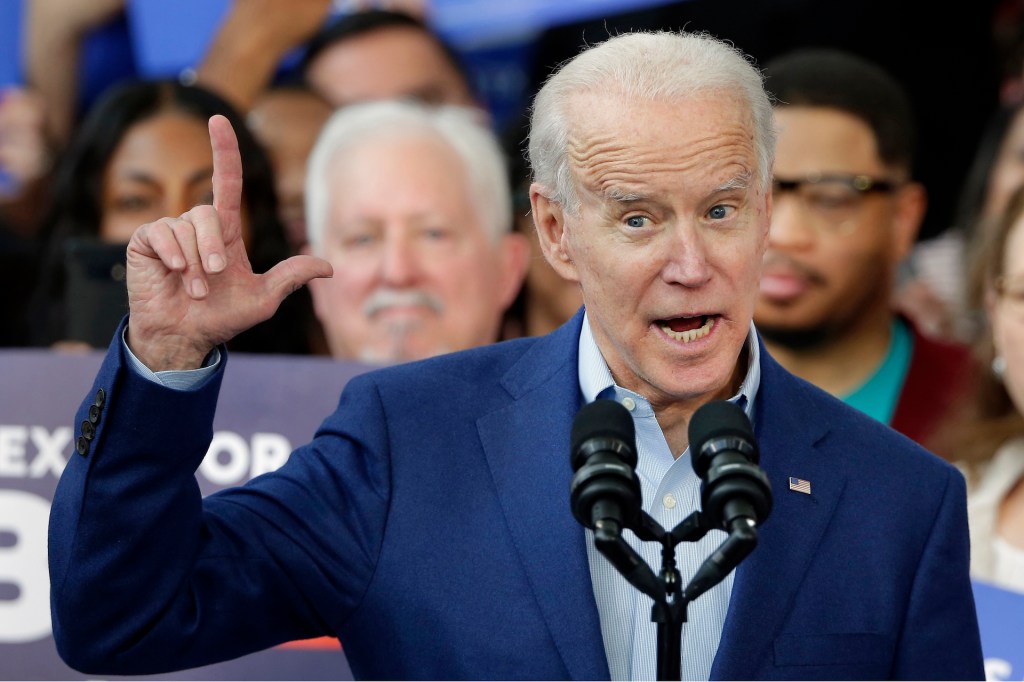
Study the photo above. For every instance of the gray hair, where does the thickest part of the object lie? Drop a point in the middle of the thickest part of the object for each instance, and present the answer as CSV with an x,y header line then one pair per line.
x,y
461,128
658,65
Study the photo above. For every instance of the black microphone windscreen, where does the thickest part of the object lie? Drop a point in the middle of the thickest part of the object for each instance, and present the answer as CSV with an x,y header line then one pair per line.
x,y
717,419
603,418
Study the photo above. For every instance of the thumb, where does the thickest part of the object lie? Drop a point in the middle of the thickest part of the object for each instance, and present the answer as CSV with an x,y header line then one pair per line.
x,y
294,273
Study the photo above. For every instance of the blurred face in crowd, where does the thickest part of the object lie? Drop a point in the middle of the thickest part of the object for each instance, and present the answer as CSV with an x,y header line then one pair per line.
x,y
841,223
668,239
416,272
286,122
1008,170
1006,310
388,62
163,166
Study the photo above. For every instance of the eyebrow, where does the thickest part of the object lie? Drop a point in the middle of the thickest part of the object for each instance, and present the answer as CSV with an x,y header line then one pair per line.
x,y
619,195
143,177
741,181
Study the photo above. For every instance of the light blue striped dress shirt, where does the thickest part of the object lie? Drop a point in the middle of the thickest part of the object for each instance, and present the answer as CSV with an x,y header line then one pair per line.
x,y
671,492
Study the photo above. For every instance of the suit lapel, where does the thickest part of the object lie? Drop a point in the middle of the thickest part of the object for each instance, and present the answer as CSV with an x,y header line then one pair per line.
x,y
768,582
527,449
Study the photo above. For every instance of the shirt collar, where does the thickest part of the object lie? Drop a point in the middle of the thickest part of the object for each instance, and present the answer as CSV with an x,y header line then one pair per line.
x,y
595,377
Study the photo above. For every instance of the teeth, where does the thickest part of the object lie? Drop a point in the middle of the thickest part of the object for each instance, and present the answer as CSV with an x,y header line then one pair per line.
x,y
692,334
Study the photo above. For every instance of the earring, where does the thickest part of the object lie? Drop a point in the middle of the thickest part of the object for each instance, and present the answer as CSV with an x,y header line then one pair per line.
x,y
999,366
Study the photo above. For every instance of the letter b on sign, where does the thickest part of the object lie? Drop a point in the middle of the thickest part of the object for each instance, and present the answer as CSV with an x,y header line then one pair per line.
x,y
24,583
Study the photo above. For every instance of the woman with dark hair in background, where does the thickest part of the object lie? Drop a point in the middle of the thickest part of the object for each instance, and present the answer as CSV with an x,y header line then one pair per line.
x,y
945,286
143,152
987,441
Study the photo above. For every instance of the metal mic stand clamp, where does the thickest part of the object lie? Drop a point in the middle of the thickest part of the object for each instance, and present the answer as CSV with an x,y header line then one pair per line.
x,y
666,589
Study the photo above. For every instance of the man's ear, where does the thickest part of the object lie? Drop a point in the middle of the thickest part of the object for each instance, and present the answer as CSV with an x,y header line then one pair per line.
x,y
911,204
549,219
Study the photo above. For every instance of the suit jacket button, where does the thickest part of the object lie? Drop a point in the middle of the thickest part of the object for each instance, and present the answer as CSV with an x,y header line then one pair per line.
x,y
88,430
82,446
94,414
101,397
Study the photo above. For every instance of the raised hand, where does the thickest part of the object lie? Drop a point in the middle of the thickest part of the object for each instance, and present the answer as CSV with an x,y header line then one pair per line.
x,y
190,284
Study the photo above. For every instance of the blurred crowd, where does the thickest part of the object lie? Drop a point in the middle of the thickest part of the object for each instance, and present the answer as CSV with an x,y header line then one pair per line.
x,y
375,150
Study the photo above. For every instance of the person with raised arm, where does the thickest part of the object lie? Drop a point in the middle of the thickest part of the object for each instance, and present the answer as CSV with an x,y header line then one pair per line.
x,y
427,524
190,284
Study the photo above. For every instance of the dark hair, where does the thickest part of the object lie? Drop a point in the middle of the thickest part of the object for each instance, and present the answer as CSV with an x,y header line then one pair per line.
x,y
976,183
990,418
969,218
355,24
78,186
513,141
829,77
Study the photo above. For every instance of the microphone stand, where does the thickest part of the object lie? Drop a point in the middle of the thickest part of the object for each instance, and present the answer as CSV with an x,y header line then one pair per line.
x,y
670,598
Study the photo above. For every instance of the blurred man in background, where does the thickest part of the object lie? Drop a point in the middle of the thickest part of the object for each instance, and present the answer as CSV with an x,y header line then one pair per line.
x,y
846,214
411,205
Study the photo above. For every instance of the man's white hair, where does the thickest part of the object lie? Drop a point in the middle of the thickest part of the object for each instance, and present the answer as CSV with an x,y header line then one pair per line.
x,y
659,65
462,128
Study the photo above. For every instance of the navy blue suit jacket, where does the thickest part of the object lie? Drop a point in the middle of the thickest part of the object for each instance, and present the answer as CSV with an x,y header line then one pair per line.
x,y
428,526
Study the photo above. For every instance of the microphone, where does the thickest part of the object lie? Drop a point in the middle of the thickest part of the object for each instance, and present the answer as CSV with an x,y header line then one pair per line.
x,y
605,490
734,491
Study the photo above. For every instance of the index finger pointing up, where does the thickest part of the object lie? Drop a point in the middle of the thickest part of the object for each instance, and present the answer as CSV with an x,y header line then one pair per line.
x,y
227,176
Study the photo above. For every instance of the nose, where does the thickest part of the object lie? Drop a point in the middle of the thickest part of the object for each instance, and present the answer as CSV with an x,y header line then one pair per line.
x,y
687,261
400,265
177,202
791,226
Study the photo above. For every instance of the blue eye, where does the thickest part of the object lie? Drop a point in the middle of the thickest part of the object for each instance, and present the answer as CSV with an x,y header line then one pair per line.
x,y
358,240
637,221
718,212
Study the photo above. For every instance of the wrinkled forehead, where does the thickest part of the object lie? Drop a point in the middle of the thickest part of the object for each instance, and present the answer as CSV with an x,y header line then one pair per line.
x,y
373,148
589,113
706,127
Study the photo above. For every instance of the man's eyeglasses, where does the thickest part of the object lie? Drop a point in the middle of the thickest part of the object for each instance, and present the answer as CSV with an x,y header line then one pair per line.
x,y
1011,294
833,200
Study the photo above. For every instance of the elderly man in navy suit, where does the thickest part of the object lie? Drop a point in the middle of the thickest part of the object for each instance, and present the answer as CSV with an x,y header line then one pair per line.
x,y
427,524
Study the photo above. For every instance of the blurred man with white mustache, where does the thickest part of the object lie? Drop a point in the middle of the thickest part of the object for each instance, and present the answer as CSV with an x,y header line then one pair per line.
x,y
411,205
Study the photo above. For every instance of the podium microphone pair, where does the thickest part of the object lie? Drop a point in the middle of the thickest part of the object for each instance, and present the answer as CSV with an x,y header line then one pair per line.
x,y
605,490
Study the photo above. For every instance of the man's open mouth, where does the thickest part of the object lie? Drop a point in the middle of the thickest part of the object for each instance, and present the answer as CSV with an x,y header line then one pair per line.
x,y
687,329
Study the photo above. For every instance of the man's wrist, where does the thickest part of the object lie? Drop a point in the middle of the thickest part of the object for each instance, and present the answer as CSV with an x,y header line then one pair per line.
x,y
165,356
182,380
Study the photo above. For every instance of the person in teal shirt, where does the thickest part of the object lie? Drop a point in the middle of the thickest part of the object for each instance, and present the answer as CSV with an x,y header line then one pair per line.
x,y
846,213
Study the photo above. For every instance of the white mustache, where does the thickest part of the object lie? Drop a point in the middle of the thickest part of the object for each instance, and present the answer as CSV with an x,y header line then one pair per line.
x,y
381,299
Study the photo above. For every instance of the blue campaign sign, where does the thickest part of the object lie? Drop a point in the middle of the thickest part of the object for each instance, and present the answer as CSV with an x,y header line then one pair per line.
x,y
494,38
10,43
471,23
168,37
254,431
1001,619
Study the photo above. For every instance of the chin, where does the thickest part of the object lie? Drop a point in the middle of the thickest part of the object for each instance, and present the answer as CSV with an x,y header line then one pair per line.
x,y
796,338
704,381
393,352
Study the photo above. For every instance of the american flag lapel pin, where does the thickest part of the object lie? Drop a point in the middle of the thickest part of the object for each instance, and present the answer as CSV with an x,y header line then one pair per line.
x,y
800,485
